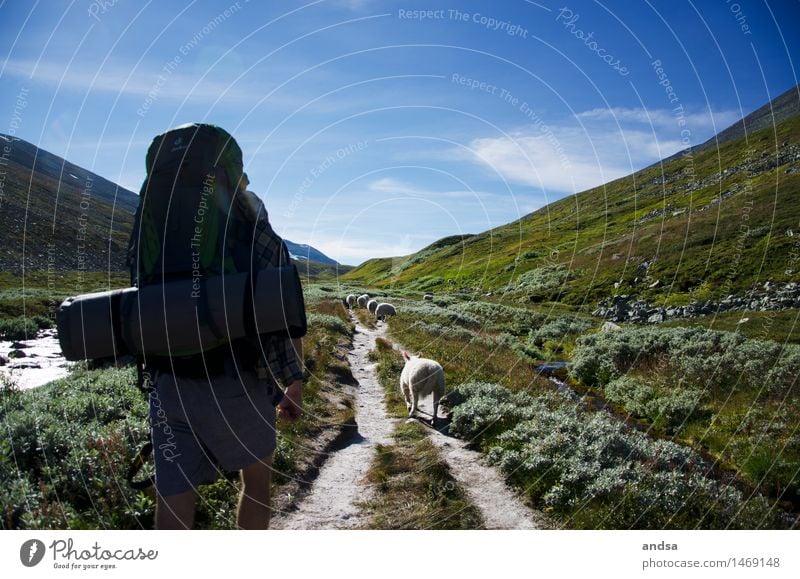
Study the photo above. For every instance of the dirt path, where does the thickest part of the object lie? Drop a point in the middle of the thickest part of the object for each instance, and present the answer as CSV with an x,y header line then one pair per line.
x,y
500,507
331,502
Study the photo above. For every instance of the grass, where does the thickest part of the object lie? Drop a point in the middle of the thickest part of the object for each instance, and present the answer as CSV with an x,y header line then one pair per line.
x,y
412,487
40,293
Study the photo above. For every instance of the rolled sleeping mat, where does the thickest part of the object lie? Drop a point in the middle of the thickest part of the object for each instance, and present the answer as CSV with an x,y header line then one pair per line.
x,y
182,317
89,325
278,305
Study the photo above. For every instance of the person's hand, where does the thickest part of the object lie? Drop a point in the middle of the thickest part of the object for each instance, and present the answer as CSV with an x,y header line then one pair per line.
x,y
291,406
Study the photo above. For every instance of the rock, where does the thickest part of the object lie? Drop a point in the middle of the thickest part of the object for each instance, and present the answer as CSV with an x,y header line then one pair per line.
x,y
3,360
19,345
609,327
743,321
656,318
17,354
655,284
25,365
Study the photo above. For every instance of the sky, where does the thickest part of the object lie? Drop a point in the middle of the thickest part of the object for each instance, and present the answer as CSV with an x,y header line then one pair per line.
x,y
373,128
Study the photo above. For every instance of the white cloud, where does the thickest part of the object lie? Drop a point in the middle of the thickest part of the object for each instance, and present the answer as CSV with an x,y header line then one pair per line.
x,y
594,147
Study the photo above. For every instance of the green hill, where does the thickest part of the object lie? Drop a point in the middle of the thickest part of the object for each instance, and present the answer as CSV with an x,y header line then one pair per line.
x,y
710,222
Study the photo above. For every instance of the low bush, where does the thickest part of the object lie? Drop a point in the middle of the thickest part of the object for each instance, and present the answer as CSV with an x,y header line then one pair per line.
x,y
707,359
23,327
503,318
594,472
559,329
330,322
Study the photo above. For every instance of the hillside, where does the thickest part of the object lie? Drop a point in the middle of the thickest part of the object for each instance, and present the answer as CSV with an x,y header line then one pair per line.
x,y
704,225
58,215
63,218
778,109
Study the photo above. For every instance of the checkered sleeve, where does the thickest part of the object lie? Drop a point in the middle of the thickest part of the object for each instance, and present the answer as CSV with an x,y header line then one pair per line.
x,y
270,251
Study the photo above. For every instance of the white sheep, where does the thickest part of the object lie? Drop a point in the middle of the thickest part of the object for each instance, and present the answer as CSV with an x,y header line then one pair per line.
x,y
428,297
372,305
351,300
384,310
362,300
421,377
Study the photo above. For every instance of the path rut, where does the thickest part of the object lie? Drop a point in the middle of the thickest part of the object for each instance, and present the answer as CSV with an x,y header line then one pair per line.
x,y
332,501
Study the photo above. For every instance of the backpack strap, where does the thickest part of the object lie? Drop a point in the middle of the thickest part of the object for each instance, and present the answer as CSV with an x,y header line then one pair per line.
x,y
137,465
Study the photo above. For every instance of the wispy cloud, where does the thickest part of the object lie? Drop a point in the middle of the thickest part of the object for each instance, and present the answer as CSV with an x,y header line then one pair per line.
x,y
592,148
391,186
663,118
124,80
175,84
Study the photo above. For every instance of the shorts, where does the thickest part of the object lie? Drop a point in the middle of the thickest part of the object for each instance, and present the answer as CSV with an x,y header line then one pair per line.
x,y
200,426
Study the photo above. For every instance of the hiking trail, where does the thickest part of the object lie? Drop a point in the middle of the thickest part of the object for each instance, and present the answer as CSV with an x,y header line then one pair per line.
x,y
331,503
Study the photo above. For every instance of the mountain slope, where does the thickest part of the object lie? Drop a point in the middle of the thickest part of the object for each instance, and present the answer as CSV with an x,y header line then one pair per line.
x,y
783,107
705,224
59,215
303,252
62,217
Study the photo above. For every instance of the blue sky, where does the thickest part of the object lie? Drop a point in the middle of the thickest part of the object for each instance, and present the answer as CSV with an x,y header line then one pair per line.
x,y
373,128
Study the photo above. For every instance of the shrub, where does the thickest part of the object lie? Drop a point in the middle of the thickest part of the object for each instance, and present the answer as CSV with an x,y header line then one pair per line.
x,y
333,323
23,327
431,312
704,359
558,329
502,318
542,280
665,406
448,332
590,468
67,447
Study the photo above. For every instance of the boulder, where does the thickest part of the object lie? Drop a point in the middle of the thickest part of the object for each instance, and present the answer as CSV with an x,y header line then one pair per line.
x,y
609,327
17,354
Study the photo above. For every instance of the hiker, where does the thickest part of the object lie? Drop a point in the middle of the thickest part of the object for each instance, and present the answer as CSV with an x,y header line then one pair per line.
x,y
212,410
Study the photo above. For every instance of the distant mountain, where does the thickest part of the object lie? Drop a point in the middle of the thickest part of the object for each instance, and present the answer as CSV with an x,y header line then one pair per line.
x,y
58,216
302,252
694,227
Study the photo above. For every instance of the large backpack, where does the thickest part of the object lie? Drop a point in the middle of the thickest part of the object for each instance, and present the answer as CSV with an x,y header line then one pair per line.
x,y
189,223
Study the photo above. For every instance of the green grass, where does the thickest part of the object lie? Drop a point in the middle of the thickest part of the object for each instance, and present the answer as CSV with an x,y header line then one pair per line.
x,y
412,487
780,326
39,293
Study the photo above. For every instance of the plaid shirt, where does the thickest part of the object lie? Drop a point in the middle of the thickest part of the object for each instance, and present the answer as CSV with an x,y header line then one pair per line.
x,y
270,251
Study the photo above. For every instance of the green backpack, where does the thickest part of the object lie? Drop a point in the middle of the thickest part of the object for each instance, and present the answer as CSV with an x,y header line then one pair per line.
x,y
188,224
